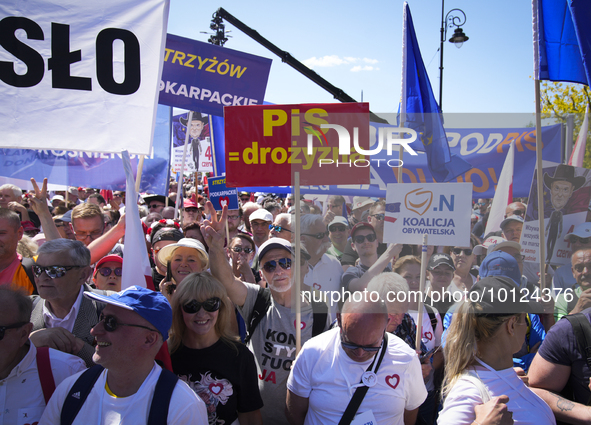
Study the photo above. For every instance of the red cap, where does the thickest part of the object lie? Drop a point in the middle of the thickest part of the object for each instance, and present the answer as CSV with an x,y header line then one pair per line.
x,y
188,203
106,259
362,225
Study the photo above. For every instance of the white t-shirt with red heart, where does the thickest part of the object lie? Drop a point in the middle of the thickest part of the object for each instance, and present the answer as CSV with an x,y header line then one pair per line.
x,y
431,337
325,375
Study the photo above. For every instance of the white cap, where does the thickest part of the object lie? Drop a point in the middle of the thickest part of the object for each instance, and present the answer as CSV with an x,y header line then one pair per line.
x,y
494,243
261,214
583,230
361,201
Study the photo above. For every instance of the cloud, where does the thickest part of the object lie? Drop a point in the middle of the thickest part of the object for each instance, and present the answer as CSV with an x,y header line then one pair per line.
x,y
358,68
334,60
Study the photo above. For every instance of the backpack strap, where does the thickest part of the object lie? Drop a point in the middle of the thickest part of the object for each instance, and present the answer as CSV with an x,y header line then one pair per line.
x,y
571,305
261,305
78,394
582,330
45,373
27,264
320,312
161,399
432,316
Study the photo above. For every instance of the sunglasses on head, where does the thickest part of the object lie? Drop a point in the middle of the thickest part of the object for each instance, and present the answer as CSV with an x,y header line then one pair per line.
x,y
111,324
458,251
320,235
284,263
352,346
106,272
337,228
210,305
580,240
239,249
279,229
361,238
15,326
52,271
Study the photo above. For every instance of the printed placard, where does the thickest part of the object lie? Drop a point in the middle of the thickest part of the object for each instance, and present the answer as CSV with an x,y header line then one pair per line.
x,y
220,195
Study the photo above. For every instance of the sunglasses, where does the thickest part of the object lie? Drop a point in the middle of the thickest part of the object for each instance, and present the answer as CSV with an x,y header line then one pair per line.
x,y
191,209
378,217
576,239
239,249
111,323
106,272
458,251
52,271
210,305
361,238
284,263
337,228
320,235
15,326
280,229
152,206
520,213
351,346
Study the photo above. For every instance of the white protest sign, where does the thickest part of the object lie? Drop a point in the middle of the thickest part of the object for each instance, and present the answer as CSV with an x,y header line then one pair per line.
x,y
440,210
78,75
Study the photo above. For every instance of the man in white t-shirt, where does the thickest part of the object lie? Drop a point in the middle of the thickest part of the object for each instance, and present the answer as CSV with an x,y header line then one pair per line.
x,y
331,367
133,326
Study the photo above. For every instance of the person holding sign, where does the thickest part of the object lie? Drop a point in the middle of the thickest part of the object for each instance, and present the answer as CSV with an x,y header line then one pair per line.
x,y
358,359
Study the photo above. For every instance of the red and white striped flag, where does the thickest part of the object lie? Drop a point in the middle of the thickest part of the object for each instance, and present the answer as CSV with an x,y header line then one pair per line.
x,y
578,154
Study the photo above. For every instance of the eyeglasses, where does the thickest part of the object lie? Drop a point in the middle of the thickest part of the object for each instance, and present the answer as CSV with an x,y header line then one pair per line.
x,y
481,204
280,229
106,272
239,249
352,346
191,209
233,217
92,235
337,228
284,263
458,251
378,217
320,235
245,199
60,224
152,206
520,213
15,326
361,238
210,305
576,239
111,323
52,271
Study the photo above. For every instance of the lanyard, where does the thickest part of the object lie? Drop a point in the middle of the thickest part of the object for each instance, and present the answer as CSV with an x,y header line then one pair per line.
x,y
369,378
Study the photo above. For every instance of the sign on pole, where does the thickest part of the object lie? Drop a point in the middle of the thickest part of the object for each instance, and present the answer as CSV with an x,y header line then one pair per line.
x,y
81,75
439,210
220,195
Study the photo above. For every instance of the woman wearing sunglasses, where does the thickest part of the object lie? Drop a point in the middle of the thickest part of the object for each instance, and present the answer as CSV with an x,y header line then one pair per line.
x,y
464,259
107,273
208,357
241,251
181,259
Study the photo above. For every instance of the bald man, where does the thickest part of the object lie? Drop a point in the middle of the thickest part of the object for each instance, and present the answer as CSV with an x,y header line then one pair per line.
x,y
357,354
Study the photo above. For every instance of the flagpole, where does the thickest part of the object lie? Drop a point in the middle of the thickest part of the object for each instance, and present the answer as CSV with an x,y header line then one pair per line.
x,y
212,144
180,180
424,260
138,177
403,92
540,188
297,255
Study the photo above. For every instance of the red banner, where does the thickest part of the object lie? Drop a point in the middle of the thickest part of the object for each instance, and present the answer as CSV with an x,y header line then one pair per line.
x,y
266,144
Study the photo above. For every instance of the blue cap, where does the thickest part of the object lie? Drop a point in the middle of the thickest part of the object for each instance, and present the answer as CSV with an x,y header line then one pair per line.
x,y
499,263
151,305
67,216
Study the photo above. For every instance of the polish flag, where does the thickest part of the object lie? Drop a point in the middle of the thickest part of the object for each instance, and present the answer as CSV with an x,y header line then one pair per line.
x,y
578,154
503,193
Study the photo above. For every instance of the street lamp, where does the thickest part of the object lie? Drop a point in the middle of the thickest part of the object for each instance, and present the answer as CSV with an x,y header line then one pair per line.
x,y
458,39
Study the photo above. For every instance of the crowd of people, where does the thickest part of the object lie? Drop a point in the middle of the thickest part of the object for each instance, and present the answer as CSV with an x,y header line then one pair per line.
x,y
215,342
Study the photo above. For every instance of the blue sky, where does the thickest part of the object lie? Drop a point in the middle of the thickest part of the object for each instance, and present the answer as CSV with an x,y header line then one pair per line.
x,y
358,46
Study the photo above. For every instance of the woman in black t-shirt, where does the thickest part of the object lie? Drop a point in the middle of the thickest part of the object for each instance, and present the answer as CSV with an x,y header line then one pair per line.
x,y
208,357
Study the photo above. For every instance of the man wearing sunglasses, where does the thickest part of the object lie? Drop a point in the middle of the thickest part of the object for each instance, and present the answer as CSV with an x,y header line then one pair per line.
x,y
273,340
324,271
133,326
357,354
62,317
338,233
364,242
281,227
22,397
580,238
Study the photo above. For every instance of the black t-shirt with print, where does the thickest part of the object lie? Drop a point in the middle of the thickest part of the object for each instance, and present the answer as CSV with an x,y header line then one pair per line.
x,y
224,379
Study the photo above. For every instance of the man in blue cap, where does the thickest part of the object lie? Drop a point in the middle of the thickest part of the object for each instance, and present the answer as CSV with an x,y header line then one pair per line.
x,y
127,385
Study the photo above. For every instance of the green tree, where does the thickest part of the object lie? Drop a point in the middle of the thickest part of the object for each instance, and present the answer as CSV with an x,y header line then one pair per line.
x,y
561,99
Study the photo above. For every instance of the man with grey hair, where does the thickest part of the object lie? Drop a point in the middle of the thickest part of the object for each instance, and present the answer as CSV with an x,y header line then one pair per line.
x,y
281,227
22,365
11,198
324,271
378,365
62,317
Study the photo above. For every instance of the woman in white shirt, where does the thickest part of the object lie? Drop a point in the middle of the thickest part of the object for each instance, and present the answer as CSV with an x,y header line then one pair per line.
x,y
480,384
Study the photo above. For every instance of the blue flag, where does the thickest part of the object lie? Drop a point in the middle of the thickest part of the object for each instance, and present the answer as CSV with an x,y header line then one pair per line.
x,y
562,40
422,112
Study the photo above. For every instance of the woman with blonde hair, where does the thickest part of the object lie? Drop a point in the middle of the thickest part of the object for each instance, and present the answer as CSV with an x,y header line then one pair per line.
x,y
208,356
480,385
